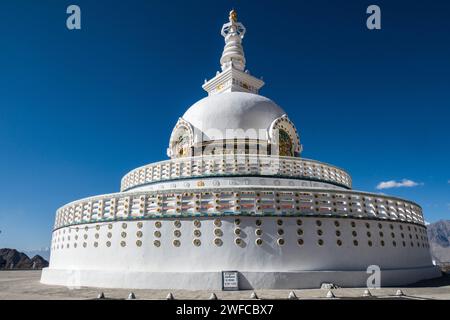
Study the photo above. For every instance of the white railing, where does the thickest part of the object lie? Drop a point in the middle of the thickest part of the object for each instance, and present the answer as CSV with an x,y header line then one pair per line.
x,y
192,167
256,202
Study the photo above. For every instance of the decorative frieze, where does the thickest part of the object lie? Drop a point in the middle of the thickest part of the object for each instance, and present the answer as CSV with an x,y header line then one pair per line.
x,y
256,202
209,166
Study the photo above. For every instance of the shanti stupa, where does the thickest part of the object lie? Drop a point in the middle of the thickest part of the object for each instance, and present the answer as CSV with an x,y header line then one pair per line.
x,y
237,196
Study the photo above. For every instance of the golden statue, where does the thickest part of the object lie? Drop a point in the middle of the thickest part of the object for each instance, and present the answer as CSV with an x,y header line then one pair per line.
x,y
233,16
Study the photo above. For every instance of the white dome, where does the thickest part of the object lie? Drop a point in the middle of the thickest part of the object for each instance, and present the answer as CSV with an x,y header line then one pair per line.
x,y
232,110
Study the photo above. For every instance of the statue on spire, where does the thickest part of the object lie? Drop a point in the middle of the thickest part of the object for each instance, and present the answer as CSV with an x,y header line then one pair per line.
x,y
233,53
233,16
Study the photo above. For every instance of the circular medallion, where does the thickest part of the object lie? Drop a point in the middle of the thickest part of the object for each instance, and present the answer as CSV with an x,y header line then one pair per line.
x,y
218,232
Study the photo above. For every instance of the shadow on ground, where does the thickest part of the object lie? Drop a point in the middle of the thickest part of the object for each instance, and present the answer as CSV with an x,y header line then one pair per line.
x,y
433,283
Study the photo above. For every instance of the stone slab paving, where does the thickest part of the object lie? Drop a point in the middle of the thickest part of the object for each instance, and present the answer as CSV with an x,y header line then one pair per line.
x,y
20,285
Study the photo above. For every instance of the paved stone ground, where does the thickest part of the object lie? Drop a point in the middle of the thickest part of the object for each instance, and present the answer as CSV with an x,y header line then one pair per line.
x,y
25,285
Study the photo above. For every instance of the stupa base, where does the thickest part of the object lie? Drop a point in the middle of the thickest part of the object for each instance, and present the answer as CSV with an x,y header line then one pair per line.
x,y
247,279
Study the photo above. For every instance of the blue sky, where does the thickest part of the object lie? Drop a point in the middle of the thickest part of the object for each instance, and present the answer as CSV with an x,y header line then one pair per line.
x,y
79,109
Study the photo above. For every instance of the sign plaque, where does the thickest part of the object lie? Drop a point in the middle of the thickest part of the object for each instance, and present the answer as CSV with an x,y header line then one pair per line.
x,y
230,281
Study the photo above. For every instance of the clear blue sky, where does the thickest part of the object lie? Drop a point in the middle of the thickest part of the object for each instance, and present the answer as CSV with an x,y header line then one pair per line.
x,y
79,109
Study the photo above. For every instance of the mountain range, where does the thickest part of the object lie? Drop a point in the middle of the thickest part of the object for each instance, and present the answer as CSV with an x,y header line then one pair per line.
x,y
439,237
43,252
11,259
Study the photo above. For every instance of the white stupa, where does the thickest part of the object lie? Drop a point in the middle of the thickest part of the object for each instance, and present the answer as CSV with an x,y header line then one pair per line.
x,y
236,196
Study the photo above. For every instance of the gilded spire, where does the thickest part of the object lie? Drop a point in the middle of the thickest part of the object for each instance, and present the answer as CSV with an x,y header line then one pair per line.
x,y
234,76
233,53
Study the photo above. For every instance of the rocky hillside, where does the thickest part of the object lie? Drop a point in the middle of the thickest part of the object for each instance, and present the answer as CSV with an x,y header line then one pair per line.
x,y
13,259
43,252
439,235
